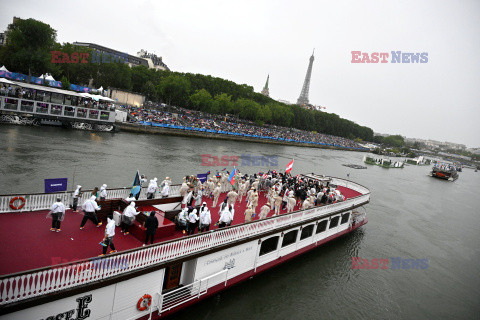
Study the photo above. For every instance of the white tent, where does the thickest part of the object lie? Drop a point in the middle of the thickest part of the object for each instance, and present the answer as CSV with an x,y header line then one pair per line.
x,y
48,77
4,69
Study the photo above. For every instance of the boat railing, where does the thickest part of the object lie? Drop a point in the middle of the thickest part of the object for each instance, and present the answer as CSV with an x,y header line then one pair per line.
x,y
43,201
33,283
192,291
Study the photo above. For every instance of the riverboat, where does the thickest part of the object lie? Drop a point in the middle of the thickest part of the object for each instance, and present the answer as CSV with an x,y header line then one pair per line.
x,y
384,163
420,161
444,172
32,104
57,275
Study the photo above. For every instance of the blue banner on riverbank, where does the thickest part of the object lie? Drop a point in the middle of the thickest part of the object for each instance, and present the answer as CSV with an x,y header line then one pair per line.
x,y
56,185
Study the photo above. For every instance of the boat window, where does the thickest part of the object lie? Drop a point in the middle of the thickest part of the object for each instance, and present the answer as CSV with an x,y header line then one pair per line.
x,y
93,114
104,115
26,106
269,245
289,238
56,109
306,232
42,107
345,218
69,111
81,113
322,226
57,98
334,222
11,104
42,96
71,100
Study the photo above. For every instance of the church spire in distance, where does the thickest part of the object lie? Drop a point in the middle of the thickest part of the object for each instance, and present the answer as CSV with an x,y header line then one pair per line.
x,y
265,91
303,99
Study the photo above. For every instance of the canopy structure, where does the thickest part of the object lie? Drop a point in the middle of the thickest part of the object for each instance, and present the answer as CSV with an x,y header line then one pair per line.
x,y
96,97
49,77
3,80
43,88
4,69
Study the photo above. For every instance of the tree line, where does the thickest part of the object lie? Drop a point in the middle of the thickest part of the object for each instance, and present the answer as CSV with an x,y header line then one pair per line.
x,y
28,50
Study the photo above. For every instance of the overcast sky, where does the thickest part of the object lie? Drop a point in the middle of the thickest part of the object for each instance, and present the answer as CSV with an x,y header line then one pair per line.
x,y
243,41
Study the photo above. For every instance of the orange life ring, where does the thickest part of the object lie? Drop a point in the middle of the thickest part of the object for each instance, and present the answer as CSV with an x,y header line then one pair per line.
x,y
144,302
12,203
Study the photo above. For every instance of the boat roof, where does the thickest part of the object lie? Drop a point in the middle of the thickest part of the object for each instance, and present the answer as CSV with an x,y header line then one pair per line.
x,y
49,89
28,243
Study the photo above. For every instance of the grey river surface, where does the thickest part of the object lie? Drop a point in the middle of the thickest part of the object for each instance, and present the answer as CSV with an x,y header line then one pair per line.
x,y
411,216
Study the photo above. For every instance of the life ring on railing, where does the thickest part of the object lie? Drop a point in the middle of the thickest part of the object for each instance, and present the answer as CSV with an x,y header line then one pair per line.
x,y
144,302
12,203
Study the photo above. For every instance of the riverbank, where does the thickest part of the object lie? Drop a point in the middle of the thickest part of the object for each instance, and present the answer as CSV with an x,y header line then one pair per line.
x,y
137,128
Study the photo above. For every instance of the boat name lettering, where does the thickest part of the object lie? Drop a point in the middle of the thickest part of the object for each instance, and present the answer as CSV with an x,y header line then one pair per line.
x,y
82,311
230,264
228,256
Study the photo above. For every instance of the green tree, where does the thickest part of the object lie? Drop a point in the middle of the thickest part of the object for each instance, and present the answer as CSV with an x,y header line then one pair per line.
x,y
65,83
149,91
394,141
222,104
175,90
28,47
201,100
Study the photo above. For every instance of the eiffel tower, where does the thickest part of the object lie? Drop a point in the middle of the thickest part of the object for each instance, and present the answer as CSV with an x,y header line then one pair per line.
x,y
303,99
265,89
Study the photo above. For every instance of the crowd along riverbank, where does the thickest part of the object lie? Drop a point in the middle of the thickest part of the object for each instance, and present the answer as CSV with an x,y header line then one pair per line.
x,y
185,132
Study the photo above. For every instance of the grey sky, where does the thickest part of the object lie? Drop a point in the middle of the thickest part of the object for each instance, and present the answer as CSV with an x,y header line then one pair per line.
x,y
245,40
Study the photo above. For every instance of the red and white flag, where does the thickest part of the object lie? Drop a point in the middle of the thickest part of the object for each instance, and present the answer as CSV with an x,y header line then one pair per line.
x,y
289,167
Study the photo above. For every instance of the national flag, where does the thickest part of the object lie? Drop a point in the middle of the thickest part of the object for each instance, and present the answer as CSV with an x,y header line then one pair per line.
x,y
136,184
231,178
289,166
203,176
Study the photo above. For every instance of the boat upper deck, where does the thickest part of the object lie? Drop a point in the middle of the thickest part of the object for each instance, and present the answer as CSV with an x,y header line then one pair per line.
x,y
28,243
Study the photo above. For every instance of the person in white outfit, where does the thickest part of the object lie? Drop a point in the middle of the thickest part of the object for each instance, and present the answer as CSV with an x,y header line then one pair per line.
x,y
165,187
192,221
57,213
224,218
89,208
103,192
128,217
205,218
76,195
108,239
152,188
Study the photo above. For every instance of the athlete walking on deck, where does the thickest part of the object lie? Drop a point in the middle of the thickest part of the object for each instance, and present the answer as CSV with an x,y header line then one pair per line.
x,y
108,239
89,208
57,212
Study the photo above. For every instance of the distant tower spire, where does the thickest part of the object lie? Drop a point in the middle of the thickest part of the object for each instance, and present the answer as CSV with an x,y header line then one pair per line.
x,y
265,89
303,99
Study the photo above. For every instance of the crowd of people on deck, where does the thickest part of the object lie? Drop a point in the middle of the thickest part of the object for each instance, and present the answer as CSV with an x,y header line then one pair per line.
x,y
197,119
283,193
46,96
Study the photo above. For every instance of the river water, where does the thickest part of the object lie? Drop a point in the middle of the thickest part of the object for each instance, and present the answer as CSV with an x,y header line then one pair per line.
x,y
411,216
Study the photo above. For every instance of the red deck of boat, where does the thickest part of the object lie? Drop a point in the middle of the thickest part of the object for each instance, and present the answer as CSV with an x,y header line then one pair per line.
x,y
27,242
